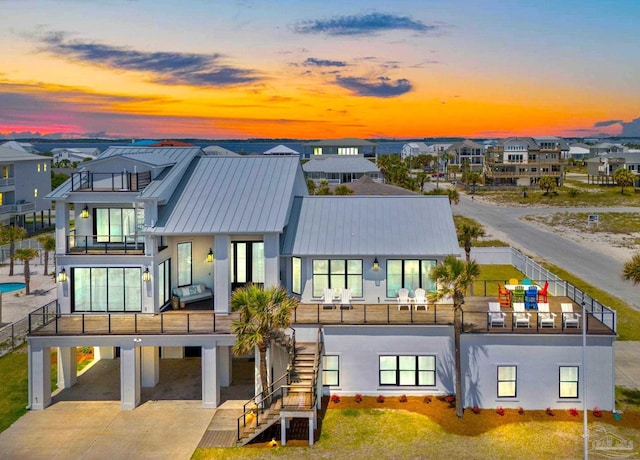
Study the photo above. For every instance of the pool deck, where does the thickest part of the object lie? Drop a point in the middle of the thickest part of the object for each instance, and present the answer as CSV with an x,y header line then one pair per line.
x,y
16,304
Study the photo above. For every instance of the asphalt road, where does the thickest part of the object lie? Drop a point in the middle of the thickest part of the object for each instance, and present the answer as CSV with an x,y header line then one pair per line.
x,y
590,265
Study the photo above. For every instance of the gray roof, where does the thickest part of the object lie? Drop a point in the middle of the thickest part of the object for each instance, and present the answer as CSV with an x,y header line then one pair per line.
x,y
281,150
383,226
367,186
530,143
217,150
466,143
340,164
11,155
231,195
346,142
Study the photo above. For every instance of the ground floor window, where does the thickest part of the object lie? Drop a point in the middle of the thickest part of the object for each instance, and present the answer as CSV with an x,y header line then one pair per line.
x,y
506,381
409,274
101,289
331,370
408,370
568,381
337,274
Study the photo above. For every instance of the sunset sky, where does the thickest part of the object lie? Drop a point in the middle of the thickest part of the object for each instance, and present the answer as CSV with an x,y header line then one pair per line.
x,y
319,69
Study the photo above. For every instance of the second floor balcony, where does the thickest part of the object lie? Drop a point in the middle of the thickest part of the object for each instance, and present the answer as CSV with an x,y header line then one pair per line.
x,y
110,182
18,208
105,244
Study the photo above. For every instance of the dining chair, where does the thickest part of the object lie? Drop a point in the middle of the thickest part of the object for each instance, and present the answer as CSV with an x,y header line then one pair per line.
x,y
531,298
504,296
543,293
526,282
517,295
513,281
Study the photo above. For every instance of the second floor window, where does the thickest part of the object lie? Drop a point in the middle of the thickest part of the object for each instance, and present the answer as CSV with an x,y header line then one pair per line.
x,y
337,274
116,225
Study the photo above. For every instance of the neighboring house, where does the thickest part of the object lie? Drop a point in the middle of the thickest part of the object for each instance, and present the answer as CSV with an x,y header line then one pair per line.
x,y
340,169
281,150
25,180
153,223
74,155
603,148
522,161
579,151
466,152
348,146
413,149
216,150
367,186
20,146
600,169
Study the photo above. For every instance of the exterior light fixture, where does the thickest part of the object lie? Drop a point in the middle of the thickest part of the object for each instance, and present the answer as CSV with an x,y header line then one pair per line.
x,y
146,276
85,212
62,276
376,265
210,255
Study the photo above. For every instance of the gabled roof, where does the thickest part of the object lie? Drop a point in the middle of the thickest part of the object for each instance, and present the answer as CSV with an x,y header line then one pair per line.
x,y
417,145
367,186
346,142
281,150
528,141
466,143
9,154
217,150
237,195
20,146
387,226
340,164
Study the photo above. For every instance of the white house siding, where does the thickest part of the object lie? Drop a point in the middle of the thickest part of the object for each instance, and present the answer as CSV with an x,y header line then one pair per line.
x,y
359,348
537,359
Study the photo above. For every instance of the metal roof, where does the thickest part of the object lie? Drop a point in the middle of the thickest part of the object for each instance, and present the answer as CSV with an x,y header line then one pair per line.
x,y
9,154
346,142
340,164
383,226
231,195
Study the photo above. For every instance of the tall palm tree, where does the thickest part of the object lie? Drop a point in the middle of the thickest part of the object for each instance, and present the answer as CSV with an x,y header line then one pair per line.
x,y
631,270
624,178
263,313
453,277
10,234
467,232
26,255
48,243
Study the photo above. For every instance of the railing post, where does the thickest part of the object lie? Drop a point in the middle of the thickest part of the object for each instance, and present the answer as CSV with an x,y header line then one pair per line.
x,y
83,323
188,322
365,313
109,322
162,324
388,317
13,337
135,322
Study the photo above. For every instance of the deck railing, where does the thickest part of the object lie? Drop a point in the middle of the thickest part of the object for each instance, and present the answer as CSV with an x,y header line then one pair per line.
x,y
116,244
15,334
110,182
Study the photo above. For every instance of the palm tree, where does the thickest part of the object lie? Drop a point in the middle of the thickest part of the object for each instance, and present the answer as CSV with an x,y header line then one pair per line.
x,y
624,178
453,277
454,195
9,234
631,270
547,183
26,255
467,232
263,313
48,243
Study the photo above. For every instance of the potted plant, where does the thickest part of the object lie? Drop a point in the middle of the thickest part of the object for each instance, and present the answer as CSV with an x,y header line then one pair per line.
x,y
550,412
380,399
500,410
358,398
475,409
521,410
597,412
573,412
403,399
427,399
335,398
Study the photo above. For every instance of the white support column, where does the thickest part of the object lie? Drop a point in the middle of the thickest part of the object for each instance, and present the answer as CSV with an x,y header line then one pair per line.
x,y
210,382
310,431
129,376
284,424
67,367
271,260
256,372
224,365
150,367
103,353
39,377
221,274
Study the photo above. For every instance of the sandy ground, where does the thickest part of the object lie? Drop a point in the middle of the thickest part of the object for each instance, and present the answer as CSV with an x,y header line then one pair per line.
x,y
17,305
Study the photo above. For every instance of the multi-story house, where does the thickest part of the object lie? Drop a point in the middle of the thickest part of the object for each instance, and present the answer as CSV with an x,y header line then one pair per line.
x,y
523,160
348,146
600,169
413,149
466,152
154,223
25,180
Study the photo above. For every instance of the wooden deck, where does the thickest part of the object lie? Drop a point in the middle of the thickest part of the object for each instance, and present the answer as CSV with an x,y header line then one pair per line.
x,y
206,322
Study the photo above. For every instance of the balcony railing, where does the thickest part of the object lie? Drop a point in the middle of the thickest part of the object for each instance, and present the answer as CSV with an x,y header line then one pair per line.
x,y
7,181
104,244
109,182
19,208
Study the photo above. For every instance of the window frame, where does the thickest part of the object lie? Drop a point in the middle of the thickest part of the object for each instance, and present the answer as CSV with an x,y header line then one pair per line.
x,y
576,382
403,275
333,371
296,275
130,290
184,278
506,380
416,369
331,274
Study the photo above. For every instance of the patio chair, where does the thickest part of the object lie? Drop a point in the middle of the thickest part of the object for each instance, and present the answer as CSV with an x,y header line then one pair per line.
x,y
569,317
513,281
526,282
545,318
345,299
496,316
520,317
504,296
403,299
327,299
543,293
531,298
517,295
420,300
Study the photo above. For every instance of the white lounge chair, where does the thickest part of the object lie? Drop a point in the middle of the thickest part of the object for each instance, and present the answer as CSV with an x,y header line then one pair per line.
x,y
520,317
545,319
496,316
327,299
420,300
569,317
345,299
403,299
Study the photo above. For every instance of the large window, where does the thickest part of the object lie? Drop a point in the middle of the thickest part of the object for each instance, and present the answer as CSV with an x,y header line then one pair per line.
x,y
184,264
337,274
506,381
409,274
116,225
99,289
568,381
164,281
296,275
408,370
331,370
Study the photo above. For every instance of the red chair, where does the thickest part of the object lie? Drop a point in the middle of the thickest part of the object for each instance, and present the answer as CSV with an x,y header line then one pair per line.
x,y
504,296
542,294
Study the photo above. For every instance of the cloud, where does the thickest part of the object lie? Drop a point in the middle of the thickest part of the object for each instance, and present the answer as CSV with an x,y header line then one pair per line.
x,y
323,63
365,24
599,124
632,128
380,87
171,68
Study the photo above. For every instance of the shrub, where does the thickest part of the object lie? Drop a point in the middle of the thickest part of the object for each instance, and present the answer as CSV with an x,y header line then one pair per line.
x,y
403,398
335,399
380,399
357,398
573,412
597,412
451,399
521,410
427,399
572,192
475,409
500,410
550,411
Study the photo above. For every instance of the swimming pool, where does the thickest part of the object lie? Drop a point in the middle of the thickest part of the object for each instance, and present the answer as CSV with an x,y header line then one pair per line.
x,y
10,287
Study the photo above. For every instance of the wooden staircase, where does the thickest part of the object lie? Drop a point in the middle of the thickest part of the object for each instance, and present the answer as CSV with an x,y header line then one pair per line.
x,y
294,390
